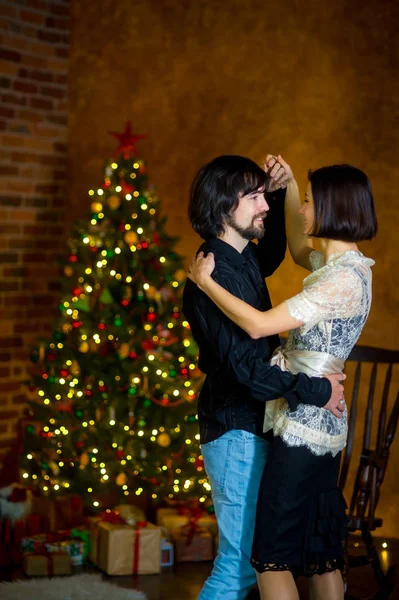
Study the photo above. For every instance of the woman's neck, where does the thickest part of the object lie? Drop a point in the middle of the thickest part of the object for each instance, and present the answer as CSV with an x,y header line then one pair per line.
x,y
332,246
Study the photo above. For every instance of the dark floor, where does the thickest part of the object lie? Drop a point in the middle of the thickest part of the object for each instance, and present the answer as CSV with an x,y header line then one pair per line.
x,y
184,580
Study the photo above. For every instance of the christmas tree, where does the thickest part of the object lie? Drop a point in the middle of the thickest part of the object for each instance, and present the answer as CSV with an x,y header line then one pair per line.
x,y
115,412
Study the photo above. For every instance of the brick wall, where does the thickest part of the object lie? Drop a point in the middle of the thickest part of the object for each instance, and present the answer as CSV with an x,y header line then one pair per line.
x,y
33,129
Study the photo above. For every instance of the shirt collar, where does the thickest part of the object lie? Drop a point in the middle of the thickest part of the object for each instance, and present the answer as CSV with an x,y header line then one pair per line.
x,y
218,247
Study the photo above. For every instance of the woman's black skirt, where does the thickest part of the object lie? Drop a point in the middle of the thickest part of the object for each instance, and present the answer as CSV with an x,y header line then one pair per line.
x,y
301,521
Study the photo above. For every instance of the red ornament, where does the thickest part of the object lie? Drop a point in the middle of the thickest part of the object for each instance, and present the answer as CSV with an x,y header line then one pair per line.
x,y
102,326
77,324
64,373
77,291
122,227
73,258
120,454
147,345
126,188
50,357
79,444
176,315
151,317
125,302
184,371
127,141
133,354
102,388
199,463
165,401
144,245
44,376
93,249
88,393
156,239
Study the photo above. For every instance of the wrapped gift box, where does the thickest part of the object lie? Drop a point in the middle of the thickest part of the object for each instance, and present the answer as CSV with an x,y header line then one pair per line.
x,y
192,546
46,565
34,543
76,549
75,542
172,519
126,550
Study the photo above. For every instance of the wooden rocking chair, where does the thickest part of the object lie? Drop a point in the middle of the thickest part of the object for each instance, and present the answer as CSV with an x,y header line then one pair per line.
x,y
372,465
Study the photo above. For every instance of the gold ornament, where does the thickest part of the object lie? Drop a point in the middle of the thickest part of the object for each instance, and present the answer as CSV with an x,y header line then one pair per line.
x,y
114,202
180,275
68,271
151,292
124,350
164,440
96,207
75,368
84,459
121,479
131,237
84,347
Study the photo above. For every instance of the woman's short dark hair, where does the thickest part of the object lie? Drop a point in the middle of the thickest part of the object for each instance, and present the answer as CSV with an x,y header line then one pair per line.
x,y
343,204
215,192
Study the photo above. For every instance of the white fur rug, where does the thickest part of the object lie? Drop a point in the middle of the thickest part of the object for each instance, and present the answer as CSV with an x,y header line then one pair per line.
x,y
84,586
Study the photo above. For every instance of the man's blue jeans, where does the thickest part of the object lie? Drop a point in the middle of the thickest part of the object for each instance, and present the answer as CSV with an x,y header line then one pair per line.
x,y
234,464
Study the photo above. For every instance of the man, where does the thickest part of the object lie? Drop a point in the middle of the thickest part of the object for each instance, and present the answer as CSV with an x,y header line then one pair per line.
x,y
228,208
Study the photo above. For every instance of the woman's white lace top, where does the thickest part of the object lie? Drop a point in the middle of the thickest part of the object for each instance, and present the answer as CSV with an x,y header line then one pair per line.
x,y
333,305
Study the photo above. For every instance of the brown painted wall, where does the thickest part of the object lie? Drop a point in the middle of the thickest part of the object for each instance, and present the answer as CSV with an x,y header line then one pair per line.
x,y
33,126
315,81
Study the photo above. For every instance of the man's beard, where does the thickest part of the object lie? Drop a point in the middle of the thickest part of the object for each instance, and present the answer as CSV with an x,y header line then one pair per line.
x,y
248,233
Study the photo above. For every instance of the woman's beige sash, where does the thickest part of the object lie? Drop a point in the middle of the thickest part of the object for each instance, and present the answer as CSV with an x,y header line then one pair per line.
x,y
313,364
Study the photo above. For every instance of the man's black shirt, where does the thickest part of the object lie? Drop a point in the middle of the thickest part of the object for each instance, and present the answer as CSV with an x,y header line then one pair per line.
x,y
239,378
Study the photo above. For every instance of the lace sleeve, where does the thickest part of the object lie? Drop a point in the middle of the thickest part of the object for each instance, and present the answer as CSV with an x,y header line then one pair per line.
x,y
336,294
316,260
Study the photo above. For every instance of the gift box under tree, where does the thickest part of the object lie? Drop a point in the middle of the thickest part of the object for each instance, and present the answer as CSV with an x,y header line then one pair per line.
x,y
125,549
192,544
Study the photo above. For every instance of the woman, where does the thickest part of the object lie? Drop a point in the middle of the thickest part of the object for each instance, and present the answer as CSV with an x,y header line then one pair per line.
x,y
301,521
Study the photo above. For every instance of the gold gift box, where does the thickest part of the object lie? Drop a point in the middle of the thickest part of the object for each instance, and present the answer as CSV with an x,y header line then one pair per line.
x,y
46,564
117,546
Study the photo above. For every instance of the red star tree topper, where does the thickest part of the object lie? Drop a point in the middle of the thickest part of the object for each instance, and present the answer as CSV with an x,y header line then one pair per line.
x,y
127,141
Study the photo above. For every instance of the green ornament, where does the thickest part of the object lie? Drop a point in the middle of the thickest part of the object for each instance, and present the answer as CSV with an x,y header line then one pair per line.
x,y
30,429
172,373
59,336
140,296
44,465
106,297
141,423
52,379
168,277
211,510
110,253
132,391
79,414
118,322
82,304
147,403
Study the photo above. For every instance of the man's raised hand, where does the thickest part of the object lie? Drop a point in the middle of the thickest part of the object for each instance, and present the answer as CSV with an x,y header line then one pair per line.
x,y
336,403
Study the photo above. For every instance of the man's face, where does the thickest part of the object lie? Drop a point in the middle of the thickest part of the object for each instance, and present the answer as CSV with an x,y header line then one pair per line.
x,y
248,217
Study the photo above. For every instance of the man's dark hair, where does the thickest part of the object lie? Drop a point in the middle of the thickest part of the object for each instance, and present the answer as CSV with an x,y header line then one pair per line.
x,y
343,204
215,192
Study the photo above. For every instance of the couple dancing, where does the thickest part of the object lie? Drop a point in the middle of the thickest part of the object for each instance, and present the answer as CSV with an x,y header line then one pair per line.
x,y
273,421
